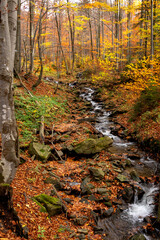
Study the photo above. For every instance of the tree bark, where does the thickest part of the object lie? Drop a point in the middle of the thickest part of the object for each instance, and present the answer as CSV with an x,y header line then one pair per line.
x,y
17,62
8,129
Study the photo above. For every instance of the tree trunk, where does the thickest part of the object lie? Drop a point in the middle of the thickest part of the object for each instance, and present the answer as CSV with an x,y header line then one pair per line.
x,y
129,32
9,135
39,51
17,62
31,10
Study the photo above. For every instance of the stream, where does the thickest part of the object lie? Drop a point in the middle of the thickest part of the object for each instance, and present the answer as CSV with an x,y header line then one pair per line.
x,y
133,217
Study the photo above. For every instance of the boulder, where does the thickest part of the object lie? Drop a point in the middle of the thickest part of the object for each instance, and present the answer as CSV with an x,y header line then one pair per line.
x,y
97,173
49,204
42,152
91,146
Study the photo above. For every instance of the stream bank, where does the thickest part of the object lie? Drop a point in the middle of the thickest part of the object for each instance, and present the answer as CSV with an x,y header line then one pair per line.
x,y
99,190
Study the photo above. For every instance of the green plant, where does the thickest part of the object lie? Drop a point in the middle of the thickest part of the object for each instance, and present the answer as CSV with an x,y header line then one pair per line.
x,y
30,109
148,100
41,231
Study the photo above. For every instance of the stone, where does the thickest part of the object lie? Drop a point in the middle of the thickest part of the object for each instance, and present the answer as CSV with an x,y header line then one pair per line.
x,y
52,205
91,146
97,173
68,200
108,213
101,191
128,194
85,188
122,178
83,231
134,176
81,220
92,198
133,156
106,198
108,204
42,152
138,237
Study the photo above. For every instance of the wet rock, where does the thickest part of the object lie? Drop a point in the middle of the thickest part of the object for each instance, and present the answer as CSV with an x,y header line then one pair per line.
x,y
140,192
91,146
97,173
122,178
49,204
108,213
138,237
128,194
133,156
134,176
42,152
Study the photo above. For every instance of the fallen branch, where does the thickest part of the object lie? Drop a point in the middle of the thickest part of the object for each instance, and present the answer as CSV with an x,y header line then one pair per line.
x,y
22,83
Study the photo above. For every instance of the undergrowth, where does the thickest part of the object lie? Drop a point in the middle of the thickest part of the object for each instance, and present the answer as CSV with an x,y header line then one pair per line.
x,y
147,102
29,111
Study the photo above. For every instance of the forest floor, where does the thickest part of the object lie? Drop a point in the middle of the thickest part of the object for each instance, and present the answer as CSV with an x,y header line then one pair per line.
x,y
31,177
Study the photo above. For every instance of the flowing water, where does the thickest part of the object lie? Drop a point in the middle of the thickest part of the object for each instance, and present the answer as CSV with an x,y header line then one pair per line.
x,y
120,224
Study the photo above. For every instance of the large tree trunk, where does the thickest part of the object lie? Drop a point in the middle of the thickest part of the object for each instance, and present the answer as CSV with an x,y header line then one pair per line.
x,y
9,136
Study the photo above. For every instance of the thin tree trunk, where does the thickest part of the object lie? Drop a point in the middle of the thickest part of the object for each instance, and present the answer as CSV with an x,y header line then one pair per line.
x,y
91,35
152,44
129,32
31,10
17,62
60,44
39,51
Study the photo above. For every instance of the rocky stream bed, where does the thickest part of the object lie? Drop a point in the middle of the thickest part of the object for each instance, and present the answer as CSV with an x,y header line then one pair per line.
x,y
130,212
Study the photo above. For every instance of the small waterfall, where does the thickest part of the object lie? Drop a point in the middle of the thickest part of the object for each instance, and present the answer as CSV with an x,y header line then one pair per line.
x,y
144,207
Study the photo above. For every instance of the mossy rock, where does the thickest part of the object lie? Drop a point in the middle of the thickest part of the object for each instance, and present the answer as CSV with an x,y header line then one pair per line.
x,y
97,173
52,205
42,152
138,237
91,146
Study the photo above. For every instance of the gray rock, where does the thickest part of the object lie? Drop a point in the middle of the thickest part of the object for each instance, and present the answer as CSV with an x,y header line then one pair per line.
x,y
97,173
91,146
133,156
42,152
